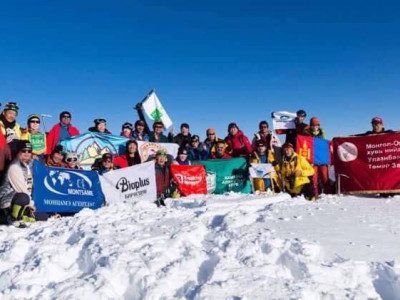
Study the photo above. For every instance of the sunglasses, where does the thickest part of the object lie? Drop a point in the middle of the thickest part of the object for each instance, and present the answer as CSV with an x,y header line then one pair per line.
x,y
71,159
66,117
107,161
26,151
158,127
195,141
261,145
210,133
220,148
34,122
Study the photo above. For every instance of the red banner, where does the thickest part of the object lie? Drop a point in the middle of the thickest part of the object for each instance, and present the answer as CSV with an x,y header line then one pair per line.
x,y
190,179
368,164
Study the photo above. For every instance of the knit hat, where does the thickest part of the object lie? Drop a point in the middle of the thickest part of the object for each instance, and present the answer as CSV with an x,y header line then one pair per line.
x,y
65,113
195,138
232,125
314,121
377,120
32,117
161,152
260,143
182,150
107,156
301,113
158,123
58,149
287,145
186,125
24,145
11,106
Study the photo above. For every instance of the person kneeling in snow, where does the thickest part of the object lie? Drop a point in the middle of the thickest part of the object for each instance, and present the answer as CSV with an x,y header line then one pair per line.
x,y
165,185
16,188
295,171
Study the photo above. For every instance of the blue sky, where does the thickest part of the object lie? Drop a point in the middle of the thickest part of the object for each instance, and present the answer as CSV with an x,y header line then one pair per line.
x,y
210,62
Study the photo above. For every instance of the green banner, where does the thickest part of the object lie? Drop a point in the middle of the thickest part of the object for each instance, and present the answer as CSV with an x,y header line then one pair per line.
x,y
38,142
231,174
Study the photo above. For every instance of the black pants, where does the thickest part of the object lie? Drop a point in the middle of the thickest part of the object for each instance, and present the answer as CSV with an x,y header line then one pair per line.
x,y
22,200
307,190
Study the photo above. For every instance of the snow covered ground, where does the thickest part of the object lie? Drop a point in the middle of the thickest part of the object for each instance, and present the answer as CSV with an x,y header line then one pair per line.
x,y
210,247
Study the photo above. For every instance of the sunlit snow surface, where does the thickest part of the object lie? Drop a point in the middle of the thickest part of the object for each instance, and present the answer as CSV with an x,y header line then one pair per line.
x,y
210,247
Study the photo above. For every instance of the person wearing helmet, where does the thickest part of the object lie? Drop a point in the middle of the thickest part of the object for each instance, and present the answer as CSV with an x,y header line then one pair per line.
x,y
321,172
32,133
295,172
291,135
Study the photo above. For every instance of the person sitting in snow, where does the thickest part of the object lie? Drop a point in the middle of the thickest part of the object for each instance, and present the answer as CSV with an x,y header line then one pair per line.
x,y
220,151
56,158
295,172
182,157
104,165
72,161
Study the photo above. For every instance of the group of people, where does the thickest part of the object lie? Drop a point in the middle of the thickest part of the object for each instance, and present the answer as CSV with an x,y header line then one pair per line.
x,y
19,146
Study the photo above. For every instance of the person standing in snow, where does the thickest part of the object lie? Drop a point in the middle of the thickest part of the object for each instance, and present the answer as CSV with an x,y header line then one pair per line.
x,y
60,132
196,150
165,185
321,172
10,129
184,137
210,141
126,130
294,171
291,135
34,136
139,134
182,157
377,127
238,144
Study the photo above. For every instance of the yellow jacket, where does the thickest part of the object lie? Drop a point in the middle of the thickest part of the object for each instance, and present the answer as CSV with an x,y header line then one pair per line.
x,y
288,168
259,184
17,130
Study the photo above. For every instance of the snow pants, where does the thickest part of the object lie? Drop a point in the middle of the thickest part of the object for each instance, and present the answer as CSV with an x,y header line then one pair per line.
x,y
321,174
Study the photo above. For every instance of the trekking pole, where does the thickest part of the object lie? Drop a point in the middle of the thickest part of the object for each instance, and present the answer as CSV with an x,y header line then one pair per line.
x,y
43,116
339,180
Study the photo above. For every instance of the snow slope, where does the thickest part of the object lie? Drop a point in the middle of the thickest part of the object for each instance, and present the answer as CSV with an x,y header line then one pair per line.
x,y
210,247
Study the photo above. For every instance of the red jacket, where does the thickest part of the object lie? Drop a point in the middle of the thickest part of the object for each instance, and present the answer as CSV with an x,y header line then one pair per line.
x,y
238,145
54,134
225,156
3,140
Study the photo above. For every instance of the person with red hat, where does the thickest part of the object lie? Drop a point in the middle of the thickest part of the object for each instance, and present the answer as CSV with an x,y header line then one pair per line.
x,y
321,172
238,144
295,172
377,127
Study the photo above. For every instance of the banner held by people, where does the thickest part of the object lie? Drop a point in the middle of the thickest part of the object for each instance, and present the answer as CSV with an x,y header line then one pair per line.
x,y
283,121
368,164
190,179
155,111
92,145
147,150
315,150
132,183
231,174
65,190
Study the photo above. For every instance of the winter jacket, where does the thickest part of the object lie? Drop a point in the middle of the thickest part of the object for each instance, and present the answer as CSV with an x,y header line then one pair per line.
x,y
161,139
17,180
140,137
163,181
270,140
216,156
210,146
11,132
185,162
287,169
48,162
198,153
238,145
54,135
123,161
182,140
291,135
371,132
259,184
320,134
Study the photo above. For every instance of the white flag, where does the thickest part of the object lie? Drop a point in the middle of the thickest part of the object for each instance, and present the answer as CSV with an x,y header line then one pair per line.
x,y
155,111
147,150
129,184
282,120
260,170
